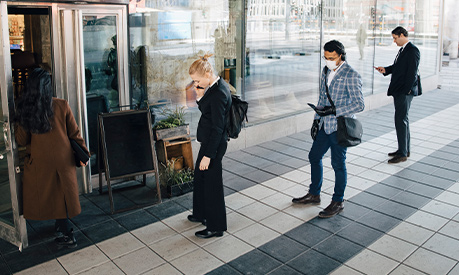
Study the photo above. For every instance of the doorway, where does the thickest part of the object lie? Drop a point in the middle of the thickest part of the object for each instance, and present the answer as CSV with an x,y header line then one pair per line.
x,y
84,48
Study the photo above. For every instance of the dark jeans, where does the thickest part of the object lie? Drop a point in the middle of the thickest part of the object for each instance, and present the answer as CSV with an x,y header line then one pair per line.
x,y
208,196
402,105
63,225
338,160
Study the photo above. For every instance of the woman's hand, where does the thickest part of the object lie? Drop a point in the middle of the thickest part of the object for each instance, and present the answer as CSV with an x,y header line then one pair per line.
x,y
83,164
204,164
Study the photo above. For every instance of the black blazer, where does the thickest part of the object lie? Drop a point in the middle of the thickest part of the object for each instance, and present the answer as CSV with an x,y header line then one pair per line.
x,y
214,107
404,71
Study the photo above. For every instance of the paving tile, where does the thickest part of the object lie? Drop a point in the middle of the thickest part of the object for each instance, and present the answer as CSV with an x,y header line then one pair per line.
x,y
441,209
237,200
374,175
423,167
29,257
368,200
370,262
411,199
104,231
120,245
455,270
313,262
308,234
166,209
196,262
443,245
281,222
237,222
136,219
227,248
51,267
258,192
332,225
5,270
303,212
255,262
138,261
396,210
449,197
430,160
411,233
256,234
379,221
222,270
153,232
278,200
436,182
429,262
105,268
239,183
451,229
173,247
283,248
82,260
384,191
398,182
360,234
393,248
424,190
297,176
345,270
180,222
354,211
259,176
284,270
360,183
427,220
163,269
257,211
279,183
338,248
405,270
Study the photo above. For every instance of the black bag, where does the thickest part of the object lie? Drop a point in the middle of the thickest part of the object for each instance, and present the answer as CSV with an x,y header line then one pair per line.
x,y
79,153
235,118
417,88
350,130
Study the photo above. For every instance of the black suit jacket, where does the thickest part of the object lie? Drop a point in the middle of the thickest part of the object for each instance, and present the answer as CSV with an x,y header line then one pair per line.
x,y
404,71
214,107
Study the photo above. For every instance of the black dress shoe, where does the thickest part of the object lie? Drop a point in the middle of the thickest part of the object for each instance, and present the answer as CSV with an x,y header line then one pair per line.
x,y
208,234
334,208
307,199
397,159
393,154
192,218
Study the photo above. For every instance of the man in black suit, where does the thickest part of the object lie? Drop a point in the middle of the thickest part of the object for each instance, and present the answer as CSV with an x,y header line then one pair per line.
x,y
403,85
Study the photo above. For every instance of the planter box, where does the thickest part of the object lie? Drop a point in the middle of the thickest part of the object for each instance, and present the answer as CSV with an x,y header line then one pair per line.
x,y
180,189
172,133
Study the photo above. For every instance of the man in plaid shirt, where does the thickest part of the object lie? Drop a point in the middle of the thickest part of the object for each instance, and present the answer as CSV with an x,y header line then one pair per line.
x,y
345,89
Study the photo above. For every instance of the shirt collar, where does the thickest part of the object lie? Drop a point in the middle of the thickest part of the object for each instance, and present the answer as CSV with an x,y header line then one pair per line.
x,y
404,45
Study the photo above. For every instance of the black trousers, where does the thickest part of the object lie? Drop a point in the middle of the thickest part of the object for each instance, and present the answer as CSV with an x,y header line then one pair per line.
x,y
402,104
208,196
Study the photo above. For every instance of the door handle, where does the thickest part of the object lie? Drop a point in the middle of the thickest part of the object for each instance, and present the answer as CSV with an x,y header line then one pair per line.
x,y
5,139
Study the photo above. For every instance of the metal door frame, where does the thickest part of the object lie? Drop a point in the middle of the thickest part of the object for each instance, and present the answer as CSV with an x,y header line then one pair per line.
x,y
16,234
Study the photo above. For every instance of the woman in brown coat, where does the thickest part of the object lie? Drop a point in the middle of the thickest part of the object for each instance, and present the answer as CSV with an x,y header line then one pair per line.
x,y
45,125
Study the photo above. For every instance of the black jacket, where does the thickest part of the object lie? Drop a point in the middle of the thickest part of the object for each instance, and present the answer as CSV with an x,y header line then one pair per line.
x,y
214,107
404,71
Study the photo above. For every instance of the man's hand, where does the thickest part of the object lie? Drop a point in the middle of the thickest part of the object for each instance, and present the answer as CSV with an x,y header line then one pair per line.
x,y
380,69
315,128
204,164
326,111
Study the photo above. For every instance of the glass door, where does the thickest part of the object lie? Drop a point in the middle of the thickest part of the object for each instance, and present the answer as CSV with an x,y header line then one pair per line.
x,y
12,224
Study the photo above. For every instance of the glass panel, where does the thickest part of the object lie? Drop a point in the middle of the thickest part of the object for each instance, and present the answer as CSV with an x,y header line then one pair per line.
x,y
351,23
6,211
283,47
101,73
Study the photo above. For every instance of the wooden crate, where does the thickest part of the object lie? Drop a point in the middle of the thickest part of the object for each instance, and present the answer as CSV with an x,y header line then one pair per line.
x,y
168,149
172,133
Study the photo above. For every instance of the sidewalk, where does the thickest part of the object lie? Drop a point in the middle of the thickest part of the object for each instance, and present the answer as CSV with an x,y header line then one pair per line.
x,y
398,219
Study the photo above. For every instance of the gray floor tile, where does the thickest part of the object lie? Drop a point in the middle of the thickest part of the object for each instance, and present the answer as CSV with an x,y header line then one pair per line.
x,y
368,200
283,248
333,225
224,270
423,167
398,182
379,221
383,190
396,210
411,199
239,183
314,263
360,234
425,190
284,270
338,248
259,176
436,182
308,234
354,211
255,262
446,174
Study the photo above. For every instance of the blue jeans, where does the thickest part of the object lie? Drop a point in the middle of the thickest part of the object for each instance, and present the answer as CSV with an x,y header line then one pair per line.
x,y
319,147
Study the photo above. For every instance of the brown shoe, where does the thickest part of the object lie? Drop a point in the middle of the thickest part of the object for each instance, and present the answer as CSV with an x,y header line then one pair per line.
x,y
397,159
307,199
334,208
393,154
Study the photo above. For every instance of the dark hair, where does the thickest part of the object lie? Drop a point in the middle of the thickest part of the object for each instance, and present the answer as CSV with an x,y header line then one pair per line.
x,y
34,109
400,30
335,46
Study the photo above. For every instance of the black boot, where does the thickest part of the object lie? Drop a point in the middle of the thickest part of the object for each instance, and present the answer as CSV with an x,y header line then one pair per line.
x,y
68,240
334,208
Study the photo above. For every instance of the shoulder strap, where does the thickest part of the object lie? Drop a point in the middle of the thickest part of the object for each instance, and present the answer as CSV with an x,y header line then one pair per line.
x,y
326,88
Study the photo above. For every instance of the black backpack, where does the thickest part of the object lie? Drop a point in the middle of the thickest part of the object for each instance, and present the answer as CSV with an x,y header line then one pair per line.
x,y
235,118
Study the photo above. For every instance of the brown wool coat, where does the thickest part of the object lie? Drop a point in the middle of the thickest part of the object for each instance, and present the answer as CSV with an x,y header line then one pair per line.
x,y
49,181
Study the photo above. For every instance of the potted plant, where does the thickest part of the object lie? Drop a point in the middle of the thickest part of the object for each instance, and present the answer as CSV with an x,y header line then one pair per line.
x,y
176,179
173,126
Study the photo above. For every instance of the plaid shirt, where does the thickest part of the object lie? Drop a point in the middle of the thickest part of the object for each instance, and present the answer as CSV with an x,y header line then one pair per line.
x,y
346,92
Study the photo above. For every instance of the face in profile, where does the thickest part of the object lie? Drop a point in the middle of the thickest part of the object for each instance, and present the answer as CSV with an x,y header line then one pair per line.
x,y
200,81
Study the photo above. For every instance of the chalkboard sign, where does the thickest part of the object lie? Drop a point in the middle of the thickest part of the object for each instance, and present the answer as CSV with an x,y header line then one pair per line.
x,y
127,142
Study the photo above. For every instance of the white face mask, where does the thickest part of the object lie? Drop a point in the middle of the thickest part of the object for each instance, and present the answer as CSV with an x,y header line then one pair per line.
x,y
331,64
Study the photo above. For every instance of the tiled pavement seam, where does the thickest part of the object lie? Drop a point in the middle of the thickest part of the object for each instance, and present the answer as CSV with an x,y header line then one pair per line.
x,y
304,146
